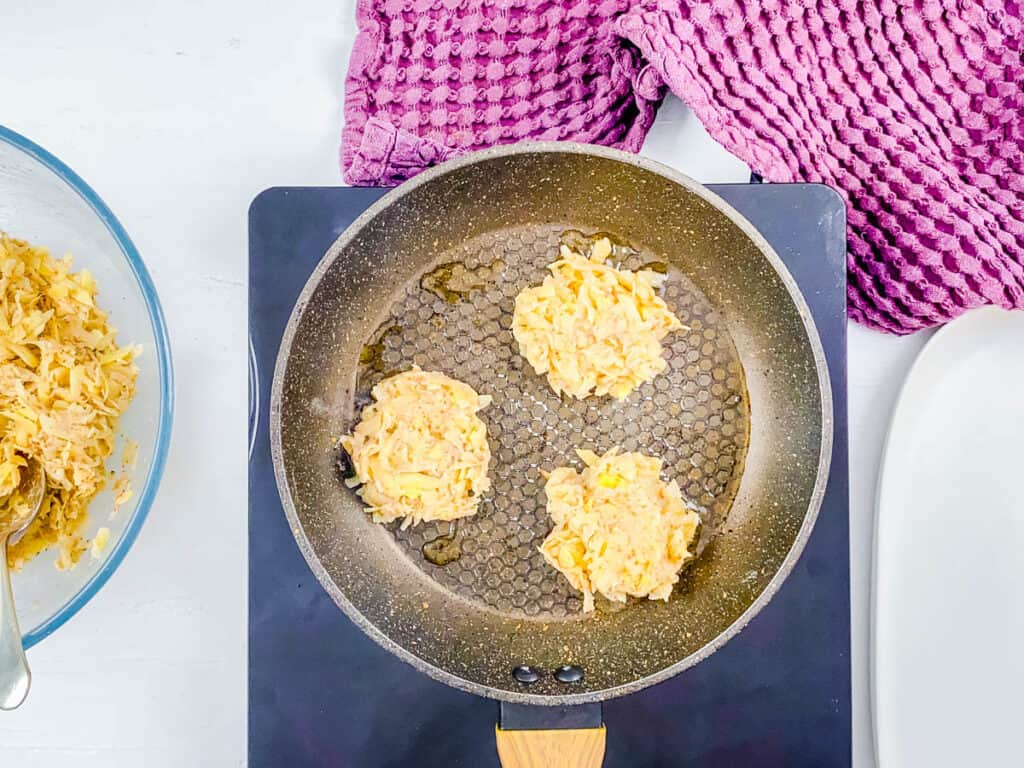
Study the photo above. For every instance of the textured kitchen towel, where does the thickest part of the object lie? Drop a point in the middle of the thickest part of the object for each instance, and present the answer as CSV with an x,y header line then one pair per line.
x,y
913,109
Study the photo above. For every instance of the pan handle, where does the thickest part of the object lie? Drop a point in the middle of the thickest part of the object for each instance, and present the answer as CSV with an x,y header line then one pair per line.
x,y
550,737
576,748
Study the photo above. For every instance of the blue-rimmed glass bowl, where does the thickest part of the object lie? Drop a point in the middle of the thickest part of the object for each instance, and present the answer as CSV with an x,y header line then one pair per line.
x,y
45,202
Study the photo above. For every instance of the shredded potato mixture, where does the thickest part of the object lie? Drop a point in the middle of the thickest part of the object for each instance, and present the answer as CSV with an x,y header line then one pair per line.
x,y
420,451
619,529
64,383
592,328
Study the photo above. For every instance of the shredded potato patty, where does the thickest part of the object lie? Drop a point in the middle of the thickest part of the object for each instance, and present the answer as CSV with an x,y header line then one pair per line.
x,y
420,451
618,528
592,328
64,383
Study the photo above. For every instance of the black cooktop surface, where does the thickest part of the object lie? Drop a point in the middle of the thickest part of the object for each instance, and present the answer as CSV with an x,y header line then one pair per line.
x,y
323,694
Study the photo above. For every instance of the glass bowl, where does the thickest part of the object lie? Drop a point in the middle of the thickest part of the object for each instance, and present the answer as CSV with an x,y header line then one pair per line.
x,y
46,203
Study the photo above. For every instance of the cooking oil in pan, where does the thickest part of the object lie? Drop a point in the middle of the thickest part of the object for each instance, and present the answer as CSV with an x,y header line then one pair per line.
x,y
621,250
444,549
453,281
371,357
582,243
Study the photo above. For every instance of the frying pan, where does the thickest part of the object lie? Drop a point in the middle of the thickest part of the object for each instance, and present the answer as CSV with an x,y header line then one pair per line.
x,y
741,418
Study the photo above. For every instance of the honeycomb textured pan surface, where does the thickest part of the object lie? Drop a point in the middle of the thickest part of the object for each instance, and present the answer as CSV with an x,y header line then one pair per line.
x,y
457,319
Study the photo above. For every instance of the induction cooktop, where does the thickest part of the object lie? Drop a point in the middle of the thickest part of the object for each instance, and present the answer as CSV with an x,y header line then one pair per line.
x,y
321,693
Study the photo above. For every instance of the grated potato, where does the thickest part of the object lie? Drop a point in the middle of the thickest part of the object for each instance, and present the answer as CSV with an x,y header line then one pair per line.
x,y
420,452
592,328
64,383
99,542
619,529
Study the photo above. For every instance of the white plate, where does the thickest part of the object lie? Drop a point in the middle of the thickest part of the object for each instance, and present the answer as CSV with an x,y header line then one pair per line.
x,y
948,597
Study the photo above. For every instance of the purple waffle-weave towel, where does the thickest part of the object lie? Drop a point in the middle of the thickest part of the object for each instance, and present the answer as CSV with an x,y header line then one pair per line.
x,y
913,109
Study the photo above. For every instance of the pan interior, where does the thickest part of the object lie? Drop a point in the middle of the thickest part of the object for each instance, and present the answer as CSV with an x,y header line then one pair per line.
x,y
499,218
456,318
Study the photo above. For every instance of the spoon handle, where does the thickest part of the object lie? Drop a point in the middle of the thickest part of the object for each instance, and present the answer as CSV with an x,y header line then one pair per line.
x,y
15,676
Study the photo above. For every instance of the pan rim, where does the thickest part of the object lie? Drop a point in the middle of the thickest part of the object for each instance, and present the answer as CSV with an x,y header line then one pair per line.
x,y
817,493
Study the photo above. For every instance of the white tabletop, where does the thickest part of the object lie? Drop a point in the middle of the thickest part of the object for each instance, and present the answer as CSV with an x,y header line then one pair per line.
x,y
178,114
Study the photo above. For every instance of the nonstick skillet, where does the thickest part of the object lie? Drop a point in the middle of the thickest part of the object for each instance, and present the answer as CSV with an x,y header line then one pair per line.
x,y
741,418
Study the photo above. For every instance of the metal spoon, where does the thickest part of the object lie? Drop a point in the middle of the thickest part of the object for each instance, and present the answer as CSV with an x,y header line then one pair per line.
x,y
15,677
